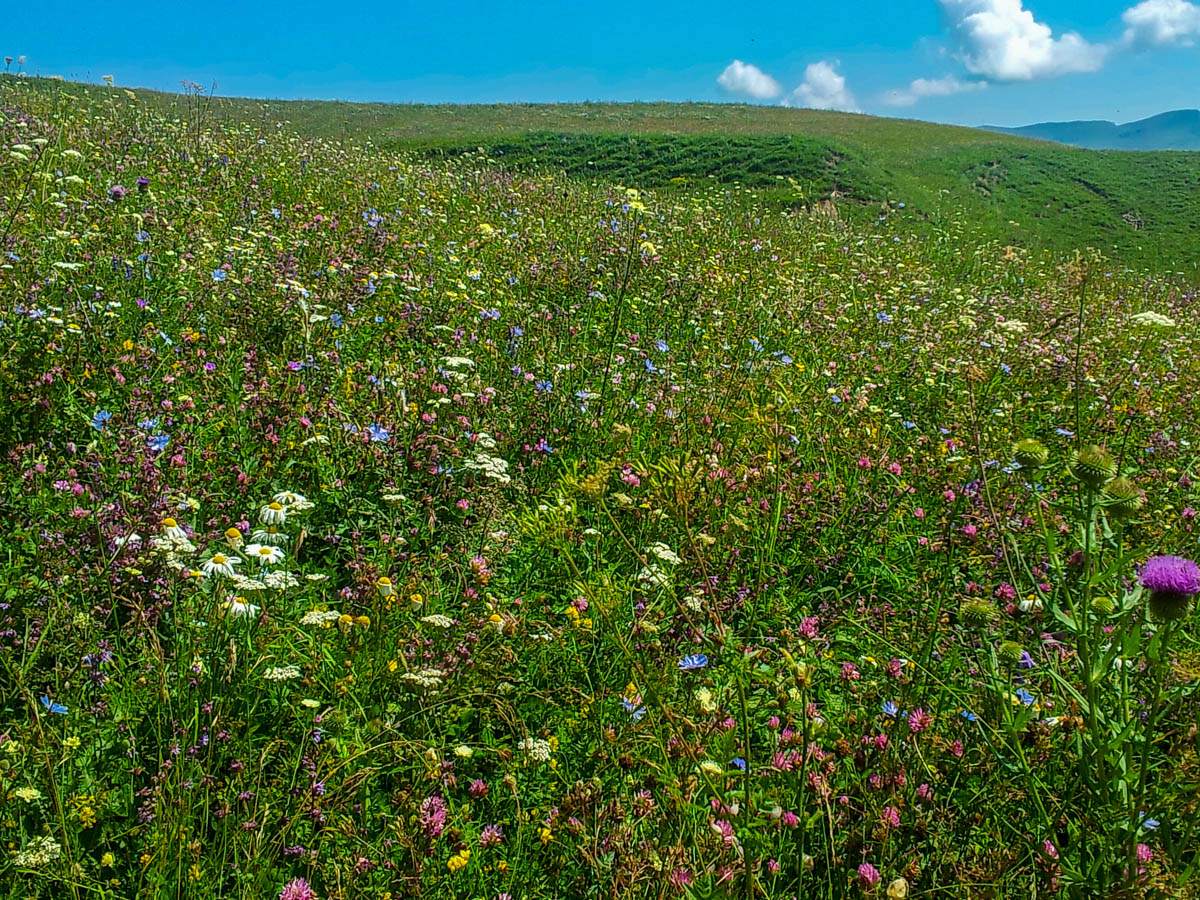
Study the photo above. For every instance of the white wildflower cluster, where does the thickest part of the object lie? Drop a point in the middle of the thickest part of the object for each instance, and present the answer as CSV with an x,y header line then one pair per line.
x,y
457,368
172,543
280,580
438,620
38,853
281,673
536,749
426,679
491,467
663,553
264,551
1014,327
657,572
323,618
1150,319
654,575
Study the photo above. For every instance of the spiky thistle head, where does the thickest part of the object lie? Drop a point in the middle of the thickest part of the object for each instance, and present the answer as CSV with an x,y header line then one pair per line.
x,y
1093,465
1123,499
1009,653
979,613
1030,453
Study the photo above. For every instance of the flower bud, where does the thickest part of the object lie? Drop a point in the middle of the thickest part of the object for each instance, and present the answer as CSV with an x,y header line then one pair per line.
x,y
1122,499
1103,606
1030,453
979,613
1009,653
1093,465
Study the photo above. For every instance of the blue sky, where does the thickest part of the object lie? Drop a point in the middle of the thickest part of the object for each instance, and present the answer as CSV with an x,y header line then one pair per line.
x,y
1001,62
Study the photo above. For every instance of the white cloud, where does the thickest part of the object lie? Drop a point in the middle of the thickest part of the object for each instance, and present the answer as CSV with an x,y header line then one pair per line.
x,y
744,78
1001,40
931,87
824,88
1162,22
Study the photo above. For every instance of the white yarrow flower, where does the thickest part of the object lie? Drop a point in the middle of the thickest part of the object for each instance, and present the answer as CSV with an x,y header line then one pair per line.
x,y
281,673
1154,320
322,617
536,749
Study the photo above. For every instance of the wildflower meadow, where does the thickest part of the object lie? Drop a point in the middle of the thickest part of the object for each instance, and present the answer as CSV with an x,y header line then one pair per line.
x,y
381,526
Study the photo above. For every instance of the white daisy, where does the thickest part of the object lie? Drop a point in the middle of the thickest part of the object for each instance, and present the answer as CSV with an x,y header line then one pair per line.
x,y
274,513
240,608
270,535
264,554
172,530
220,564
292,501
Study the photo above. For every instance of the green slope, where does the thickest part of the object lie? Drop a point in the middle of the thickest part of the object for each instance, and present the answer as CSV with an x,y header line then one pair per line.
x,y
1140,207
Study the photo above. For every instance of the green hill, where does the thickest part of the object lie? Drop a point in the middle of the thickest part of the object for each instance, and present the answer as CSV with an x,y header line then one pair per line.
x,y
1139,207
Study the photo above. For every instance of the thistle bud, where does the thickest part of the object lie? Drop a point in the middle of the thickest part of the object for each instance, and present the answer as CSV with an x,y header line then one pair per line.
x,y
1009,653
1122,499
979,613
1030,453
1093,466
1103,606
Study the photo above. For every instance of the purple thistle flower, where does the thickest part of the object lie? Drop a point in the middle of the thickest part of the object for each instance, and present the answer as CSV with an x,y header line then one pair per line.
x,y
1170,574
117,192
1172,581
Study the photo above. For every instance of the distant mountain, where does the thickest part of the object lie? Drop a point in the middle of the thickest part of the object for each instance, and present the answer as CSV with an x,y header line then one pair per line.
x,y
1177,130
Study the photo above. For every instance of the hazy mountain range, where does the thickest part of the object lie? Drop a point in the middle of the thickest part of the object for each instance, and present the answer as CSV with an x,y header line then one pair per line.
x,y
1177,130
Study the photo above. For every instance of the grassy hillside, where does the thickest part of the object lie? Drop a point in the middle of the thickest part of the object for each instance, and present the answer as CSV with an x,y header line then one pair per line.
x,y
1140,208
385,527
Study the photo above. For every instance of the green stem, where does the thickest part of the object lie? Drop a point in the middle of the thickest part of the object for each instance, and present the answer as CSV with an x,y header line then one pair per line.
x,y
1138,797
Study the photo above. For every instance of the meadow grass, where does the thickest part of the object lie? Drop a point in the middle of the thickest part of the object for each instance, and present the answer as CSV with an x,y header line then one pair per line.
x,y
1137,207
379,524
